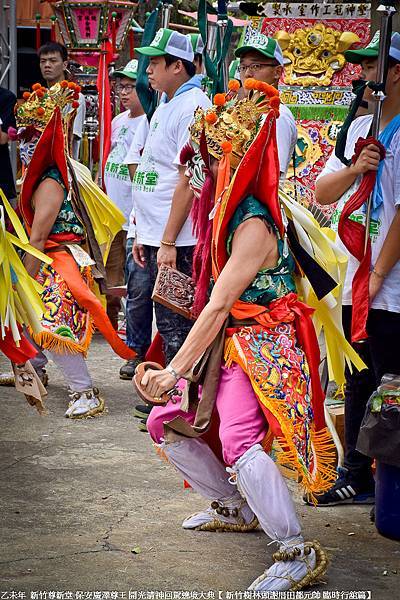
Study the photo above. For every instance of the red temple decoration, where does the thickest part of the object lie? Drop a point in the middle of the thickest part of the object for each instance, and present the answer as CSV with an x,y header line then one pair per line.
x,y
94,33
83,25
38,37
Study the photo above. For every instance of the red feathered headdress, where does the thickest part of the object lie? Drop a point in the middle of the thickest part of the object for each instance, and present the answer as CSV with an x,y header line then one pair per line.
x,y
50,150
257,175
230,132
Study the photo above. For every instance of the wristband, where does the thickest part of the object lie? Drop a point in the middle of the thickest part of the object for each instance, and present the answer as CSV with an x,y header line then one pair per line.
x,y
164,243
380,275
172,371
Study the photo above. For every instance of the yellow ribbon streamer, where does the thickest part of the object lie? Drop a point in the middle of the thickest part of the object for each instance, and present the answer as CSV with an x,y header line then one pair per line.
x,y
320,244
20,302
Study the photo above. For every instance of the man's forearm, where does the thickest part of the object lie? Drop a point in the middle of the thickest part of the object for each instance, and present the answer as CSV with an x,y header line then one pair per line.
x,y
180,209
331,187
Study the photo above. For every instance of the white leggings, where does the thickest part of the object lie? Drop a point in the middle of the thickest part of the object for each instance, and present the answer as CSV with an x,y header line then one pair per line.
x,y
72,366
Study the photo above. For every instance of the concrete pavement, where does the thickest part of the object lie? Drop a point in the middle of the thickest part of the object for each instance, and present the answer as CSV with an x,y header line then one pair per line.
x,y
88,505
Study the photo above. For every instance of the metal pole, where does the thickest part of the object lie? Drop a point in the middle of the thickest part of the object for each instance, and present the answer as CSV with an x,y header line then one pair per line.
x,y
166,14
222,25
13,46
4,44
384,45
3,41
222,22
387,12
211,40
165,18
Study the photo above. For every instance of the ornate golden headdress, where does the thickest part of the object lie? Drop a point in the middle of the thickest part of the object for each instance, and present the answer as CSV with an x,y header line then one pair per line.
x,y
230,125
41,103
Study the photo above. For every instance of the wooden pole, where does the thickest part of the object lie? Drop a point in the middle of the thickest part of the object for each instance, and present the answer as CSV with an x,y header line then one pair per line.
x,y
38,36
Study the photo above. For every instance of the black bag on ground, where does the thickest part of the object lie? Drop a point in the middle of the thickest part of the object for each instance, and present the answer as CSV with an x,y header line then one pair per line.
x,y
379,435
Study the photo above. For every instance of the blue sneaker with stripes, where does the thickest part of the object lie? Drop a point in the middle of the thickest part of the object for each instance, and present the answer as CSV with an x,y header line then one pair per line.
x,y
345,491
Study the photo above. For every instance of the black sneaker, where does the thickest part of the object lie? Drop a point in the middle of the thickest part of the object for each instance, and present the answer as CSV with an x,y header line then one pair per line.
x,y
127,370
142,411
344,491
372,515
142,426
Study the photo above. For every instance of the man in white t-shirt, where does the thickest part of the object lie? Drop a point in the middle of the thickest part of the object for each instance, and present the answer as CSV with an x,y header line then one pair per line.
x,y
78,127
262,59
116,176
338,182
161,194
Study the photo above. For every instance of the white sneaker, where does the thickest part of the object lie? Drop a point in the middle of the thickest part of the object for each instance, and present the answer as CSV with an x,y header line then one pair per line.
x,y
294,568
228,515
7,379
85,404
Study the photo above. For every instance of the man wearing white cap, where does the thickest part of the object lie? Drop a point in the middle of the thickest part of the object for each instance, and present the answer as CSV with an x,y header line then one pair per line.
x,y
336,183
261,58
162,197
116,176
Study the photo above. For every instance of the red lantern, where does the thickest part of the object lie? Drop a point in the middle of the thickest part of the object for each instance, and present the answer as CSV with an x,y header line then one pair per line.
x,y
83,24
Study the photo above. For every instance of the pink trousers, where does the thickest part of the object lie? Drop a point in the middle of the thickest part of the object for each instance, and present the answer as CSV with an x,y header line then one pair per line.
x,y
242,423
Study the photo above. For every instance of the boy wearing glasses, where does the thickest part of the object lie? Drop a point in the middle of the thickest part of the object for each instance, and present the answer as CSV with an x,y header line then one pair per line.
x,y
261,58
116,176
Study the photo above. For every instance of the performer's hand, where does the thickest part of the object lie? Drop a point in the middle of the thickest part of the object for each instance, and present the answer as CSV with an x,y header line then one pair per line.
x,y
157,382
138,254
166,255
375,284
368,160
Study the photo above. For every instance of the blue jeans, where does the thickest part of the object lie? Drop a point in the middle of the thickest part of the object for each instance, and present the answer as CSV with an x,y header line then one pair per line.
x,y
139,306
172,327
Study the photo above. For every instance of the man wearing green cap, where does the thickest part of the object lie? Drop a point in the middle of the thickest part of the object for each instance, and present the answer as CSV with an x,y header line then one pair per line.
x,y
261,58
337,183
161,194
116,176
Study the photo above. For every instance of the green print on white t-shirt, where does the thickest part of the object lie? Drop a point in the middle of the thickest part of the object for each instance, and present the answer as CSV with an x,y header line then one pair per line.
x,y
117,171
114,166
374,227
146,181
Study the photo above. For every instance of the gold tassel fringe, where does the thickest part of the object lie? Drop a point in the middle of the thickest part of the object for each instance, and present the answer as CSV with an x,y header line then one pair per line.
x,y
59,344
321,441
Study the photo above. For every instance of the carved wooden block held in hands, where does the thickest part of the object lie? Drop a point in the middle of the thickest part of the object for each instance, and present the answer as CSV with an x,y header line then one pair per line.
x,y
175,290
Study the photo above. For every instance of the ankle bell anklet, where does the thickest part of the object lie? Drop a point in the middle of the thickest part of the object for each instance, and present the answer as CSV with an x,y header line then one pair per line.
x,y
224,511
285,555
220,509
